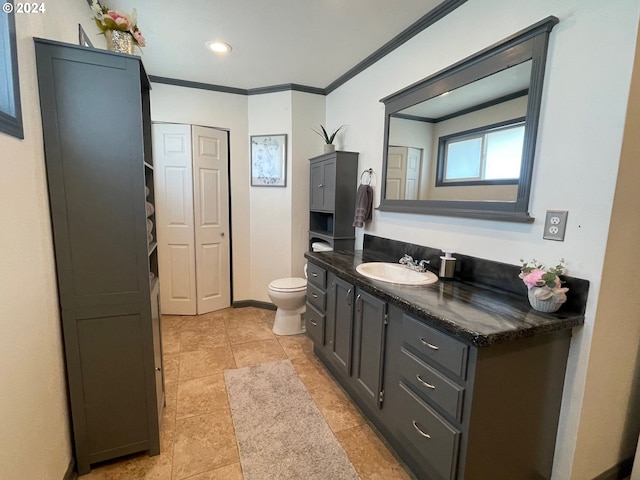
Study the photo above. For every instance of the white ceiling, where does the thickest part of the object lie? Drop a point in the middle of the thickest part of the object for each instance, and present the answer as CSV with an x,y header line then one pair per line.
x,y
275,42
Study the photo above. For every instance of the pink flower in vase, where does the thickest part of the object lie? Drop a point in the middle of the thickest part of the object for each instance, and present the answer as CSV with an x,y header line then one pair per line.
x,y
535,279
137,35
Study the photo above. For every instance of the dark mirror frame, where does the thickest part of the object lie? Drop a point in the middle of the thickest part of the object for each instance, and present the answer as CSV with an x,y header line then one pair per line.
x,y
11,123
528,44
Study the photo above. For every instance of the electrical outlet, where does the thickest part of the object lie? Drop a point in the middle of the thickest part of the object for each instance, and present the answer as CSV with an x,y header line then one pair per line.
x,y
555,224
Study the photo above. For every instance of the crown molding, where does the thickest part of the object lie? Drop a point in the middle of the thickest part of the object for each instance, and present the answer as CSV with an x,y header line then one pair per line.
x,y
442,10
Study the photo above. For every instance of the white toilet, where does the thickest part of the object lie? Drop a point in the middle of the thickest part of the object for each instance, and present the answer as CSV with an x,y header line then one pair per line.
x,y
289,295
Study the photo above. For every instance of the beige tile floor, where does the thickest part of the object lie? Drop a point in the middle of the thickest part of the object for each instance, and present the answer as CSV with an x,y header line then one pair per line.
x,y
197,436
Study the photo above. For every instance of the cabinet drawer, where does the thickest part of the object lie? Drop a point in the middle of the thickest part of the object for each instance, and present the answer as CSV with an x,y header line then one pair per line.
x,y
432,385
317,275
316,297
314,322
429,438
436,346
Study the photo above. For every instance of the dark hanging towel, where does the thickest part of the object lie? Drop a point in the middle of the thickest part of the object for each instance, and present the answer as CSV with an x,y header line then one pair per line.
x,y
364,203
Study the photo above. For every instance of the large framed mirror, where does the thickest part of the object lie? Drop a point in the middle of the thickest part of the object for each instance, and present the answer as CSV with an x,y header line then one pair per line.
x,y
462,141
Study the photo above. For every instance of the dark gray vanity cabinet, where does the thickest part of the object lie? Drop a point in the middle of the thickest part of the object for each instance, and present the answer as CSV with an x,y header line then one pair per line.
x,y
451,409
332,199
96,127
456,411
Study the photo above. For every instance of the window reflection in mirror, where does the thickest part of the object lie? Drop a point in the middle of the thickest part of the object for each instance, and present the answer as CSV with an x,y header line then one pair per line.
x,y
465,144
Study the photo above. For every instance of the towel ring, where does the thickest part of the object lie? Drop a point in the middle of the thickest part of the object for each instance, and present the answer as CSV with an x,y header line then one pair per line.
x,y
368,171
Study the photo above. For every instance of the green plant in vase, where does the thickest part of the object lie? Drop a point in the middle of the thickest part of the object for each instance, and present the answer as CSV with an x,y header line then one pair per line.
x,y
328,138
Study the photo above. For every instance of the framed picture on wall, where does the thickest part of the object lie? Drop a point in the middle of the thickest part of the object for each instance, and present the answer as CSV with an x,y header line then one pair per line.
x,y
10,106
269,160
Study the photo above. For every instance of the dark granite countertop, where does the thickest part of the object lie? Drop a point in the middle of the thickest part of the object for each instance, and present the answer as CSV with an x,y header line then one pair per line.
x,y
478,315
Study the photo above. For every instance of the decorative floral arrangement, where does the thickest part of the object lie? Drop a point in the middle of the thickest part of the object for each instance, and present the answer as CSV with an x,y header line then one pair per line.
x,y
107,19
547,280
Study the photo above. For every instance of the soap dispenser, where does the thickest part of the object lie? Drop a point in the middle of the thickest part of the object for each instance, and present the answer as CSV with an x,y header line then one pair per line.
x,y
447,264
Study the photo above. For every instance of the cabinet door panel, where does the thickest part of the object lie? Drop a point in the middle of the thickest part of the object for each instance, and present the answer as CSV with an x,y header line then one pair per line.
x,y
113,381
316,197
368,346
341,314
329,184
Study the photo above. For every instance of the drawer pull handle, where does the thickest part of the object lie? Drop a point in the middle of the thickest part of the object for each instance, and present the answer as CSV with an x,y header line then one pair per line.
x,y
314,295
415,425
314,274
430,345
313,323
428,385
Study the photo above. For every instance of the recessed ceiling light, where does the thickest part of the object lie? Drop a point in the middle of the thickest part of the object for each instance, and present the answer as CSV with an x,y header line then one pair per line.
x,y
218,47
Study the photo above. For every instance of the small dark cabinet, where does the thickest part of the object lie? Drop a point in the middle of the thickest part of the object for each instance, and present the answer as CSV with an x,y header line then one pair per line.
x,y
96,127
332,199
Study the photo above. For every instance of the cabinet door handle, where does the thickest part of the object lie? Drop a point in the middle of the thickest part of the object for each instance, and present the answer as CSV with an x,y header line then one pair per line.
x,y
428,385
415,425
430,345
314,274
320,186
358,302
313,323
349,297
314,295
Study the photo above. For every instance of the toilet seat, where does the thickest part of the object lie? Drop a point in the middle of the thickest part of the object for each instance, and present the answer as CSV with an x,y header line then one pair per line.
x,y
292,285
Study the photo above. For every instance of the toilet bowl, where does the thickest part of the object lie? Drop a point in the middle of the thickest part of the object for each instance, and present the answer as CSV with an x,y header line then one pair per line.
x,y
289,296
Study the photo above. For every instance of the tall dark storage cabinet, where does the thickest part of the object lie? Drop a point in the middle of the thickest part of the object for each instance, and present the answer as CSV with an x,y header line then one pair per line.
x,y
97,140
332,199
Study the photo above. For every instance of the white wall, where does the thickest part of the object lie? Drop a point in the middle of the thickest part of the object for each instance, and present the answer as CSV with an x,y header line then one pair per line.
x,y
307,113
583,111
270,211
35,433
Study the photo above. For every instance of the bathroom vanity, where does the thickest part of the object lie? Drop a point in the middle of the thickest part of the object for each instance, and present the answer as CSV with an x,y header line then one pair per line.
x,y
462,379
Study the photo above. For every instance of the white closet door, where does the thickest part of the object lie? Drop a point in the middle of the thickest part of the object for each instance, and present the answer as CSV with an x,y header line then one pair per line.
x,y
174,217
211,210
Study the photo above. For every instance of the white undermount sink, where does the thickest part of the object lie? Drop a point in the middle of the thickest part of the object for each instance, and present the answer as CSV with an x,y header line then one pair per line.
x,y
395,273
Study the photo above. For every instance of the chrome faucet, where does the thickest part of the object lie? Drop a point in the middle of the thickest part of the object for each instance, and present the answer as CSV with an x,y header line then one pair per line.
x,y
408,260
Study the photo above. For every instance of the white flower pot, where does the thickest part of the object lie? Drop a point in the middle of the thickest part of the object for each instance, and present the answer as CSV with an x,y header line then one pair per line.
x,y
329,147
547,306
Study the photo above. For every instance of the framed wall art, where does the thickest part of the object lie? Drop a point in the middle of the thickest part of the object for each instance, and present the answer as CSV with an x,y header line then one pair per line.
x,y
10,106
269,160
